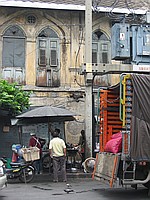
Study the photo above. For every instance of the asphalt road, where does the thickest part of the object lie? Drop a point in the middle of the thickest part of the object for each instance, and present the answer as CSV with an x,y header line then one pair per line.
x,y
82,188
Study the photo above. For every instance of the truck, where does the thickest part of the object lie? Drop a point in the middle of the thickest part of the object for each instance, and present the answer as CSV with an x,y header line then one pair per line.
x,y
125,109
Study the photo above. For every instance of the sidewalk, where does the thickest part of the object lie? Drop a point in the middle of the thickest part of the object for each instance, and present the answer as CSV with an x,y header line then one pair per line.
x,y
70,175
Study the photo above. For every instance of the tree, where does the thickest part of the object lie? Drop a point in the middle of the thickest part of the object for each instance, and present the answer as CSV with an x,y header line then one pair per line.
x,y
13,98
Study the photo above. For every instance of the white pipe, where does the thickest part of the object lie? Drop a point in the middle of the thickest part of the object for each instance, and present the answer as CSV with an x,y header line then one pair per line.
x,y
134,182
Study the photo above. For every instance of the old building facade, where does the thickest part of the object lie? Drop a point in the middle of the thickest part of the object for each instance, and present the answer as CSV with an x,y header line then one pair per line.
x,y
43,50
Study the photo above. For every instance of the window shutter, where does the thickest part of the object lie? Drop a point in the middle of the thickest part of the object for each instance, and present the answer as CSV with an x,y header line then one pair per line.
x,y
13,52
104,57
42,57
94,57
53,58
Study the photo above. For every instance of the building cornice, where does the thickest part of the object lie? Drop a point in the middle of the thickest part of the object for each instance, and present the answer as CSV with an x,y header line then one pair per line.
x,y
49,5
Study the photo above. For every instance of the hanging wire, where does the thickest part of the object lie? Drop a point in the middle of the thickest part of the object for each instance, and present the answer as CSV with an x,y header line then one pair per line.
x,y
120,17
128,7
76,59
95,4
113,100
131,15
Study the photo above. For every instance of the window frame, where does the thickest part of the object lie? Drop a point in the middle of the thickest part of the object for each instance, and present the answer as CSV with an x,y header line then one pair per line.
x,y
100,39
11,35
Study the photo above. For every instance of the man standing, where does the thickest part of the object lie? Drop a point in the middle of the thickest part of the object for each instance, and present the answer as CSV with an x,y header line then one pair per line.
x,y
57,150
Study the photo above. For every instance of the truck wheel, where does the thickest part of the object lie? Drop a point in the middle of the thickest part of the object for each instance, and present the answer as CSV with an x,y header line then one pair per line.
x,y
147,185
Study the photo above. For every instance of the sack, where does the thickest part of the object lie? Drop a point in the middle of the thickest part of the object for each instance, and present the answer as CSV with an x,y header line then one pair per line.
x,y
115,144
116,135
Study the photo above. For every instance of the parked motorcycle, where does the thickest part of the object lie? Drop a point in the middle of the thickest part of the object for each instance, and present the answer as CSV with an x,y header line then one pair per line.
x,y
24,171
47,162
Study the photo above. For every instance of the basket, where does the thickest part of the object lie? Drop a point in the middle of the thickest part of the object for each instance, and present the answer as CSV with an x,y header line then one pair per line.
x,y
31,154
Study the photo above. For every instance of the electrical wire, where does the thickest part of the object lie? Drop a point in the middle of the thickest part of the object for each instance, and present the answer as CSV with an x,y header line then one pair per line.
x,y
75,77
113,100
125,17
95,4
128,7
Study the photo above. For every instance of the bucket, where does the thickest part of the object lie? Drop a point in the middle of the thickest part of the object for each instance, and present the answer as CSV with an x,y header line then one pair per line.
x,y
8,163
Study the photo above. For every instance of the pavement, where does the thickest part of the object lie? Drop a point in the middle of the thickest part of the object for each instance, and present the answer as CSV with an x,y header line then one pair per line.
x,y
79,185
75,188
72,173
46,177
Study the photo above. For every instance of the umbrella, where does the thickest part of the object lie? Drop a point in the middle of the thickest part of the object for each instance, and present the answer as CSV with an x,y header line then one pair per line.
x,y
46,114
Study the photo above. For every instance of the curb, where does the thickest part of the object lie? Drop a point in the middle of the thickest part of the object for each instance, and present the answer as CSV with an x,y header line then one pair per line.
x,y
49,177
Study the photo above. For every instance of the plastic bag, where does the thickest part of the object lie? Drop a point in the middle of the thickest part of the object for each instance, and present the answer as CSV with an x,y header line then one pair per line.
x,y
114,145
116,135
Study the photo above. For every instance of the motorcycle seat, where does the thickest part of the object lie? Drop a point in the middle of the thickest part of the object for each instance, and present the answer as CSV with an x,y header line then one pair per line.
x,y
16,164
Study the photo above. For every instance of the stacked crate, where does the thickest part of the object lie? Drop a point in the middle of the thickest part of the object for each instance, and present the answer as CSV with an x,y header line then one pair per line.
x,y
110,122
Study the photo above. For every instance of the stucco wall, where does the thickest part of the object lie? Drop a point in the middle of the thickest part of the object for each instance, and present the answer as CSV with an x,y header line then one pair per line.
x,y
70,27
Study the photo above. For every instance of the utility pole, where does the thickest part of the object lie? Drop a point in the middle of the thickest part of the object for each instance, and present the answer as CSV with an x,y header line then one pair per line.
x,y
88,77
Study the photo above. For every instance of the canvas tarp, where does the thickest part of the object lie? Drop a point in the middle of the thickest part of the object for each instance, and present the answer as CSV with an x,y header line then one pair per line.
x,y
140,133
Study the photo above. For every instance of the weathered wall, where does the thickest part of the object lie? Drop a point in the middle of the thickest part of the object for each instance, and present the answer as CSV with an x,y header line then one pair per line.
x,y
70,27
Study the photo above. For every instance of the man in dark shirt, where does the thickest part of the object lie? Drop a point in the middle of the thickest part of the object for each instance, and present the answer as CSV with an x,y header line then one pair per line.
x,y
82,144
35,142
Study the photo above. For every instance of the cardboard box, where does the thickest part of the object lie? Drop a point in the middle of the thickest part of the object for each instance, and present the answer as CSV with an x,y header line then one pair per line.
x,y
31,154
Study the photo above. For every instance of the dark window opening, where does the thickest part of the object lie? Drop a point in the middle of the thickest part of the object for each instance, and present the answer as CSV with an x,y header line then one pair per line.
x,y
13,48
104,57
48,33
100,48
14,31
42,57
94,57
53,58
31,19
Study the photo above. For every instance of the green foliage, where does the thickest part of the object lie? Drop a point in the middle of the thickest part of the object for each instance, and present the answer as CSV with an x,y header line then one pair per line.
x,y
13,98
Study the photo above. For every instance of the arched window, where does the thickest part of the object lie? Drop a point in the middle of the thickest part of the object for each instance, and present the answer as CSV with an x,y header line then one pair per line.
x,y
13,48
13,54
48,58
100,48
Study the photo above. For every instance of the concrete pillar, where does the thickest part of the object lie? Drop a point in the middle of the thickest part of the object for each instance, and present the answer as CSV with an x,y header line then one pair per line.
x,y
88,77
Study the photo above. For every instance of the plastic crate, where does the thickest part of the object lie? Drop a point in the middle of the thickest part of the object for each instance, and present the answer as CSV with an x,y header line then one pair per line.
x,y
31,154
